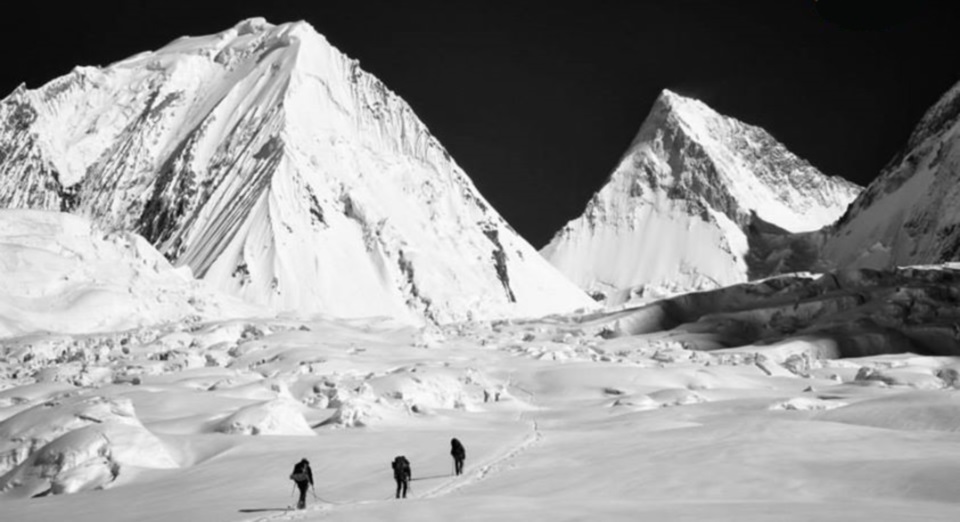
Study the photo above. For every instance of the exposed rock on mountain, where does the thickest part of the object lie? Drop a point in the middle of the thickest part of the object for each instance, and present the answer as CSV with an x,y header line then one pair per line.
x,y
277,169
911,213
690,205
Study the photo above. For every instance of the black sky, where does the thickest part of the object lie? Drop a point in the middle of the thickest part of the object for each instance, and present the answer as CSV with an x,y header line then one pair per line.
x,y
537,102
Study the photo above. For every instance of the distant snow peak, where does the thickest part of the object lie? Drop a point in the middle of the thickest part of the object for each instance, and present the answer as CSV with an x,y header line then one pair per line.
x,y
253,25
691,204
277,169
682,106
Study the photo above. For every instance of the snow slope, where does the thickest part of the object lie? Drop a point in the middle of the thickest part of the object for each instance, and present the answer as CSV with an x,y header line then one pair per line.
x,y
276,169
67,445
911,213
686,201
795,398
60,273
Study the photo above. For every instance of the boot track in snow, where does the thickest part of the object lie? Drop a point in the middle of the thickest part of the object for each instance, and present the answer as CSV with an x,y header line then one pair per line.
x,y
481,473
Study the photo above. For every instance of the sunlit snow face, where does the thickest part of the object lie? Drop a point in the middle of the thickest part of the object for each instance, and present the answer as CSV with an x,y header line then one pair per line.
x,y
280,172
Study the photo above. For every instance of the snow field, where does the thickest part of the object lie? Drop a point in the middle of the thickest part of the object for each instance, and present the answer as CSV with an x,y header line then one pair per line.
x,y
562,417
794,397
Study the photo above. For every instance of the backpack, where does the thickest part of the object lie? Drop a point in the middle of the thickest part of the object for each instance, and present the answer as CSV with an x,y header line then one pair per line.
x,y
401,467
300,473
456,449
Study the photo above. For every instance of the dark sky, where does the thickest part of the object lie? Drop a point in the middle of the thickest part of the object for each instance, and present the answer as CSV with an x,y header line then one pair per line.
x,y
537,102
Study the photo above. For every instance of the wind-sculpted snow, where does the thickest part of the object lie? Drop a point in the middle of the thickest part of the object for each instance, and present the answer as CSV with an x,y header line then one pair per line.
x,y
909,214
27,431
688,204
74,444
276,169
61,273
277,417
774,389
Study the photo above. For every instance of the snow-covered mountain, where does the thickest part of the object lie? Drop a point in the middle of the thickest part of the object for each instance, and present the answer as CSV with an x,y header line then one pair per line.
x,y
276,169
911,213
692,193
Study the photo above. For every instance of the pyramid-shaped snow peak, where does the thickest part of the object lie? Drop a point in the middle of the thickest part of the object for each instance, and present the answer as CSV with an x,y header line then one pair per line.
x,y
277,169
911,213
689,202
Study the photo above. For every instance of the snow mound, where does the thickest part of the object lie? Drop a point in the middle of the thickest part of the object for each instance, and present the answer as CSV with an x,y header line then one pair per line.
x,y
62,273
422,390
808,404
276,417
639,402
676,397
910,411
73,444
922,378
28,395
22,434
397,395
91,457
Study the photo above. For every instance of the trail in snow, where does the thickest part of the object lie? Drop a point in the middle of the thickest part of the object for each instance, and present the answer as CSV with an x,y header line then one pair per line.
x,y
490,467
482,472
291,513
498,463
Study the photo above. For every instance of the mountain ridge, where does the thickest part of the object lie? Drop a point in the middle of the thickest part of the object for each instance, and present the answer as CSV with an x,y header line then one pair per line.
x,y
908,215
693,183
265,159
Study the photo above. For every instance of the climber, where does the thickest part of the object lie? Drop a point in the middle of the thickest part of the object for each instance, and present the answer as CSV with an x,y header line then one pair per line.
x,y
459,454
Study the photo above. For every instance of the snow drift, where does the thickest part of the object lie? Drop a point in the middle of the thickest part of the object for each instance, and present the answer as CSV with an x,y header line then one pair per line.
x,y
277,417
63,274
69,445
